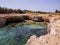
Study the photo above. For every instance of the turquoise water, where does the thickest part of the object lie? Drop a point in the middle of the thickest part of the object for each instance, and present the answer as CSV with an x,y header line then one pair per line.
x,y
34,26
18,33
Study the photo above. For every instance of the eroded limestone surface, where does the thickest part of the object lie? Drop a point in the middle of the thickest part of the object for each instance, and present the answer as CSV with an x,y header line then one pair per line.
x,y
53,36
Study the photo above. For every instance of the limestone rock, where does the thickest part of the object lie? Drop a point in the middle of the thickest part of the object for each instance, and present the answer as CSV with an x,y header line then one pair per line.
x,y
2,22
15,19
52,38
37,19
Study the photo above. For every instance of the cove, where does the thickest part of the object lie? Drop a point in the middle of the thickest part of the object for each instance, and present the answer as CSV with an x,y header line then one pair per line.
x,y
19,33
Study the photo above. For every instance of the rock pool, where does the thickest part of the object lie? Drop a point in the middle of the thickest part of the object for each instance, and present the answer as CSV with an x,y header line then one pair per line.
x,y
18,33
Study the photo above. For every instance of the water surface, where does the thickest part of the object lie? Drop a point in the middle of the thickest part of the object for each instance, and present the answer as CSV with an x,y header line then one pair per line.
x,y
18,33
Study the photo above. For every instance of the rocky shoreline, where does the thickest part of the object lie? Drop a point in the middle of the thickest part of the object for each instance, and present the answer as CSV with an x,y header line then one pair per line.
x,y
51,38
53,30
13,19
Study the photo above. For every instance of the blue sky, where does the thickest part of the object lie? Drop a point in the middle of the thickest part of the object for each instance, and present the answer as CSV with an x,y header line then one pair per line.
x,y
35,5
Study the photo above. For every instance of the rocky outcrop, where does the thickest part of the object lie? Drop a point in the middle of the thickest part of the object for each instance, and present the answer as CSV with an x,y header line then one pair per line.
x,y
26,17
46,19
20,18
10,19
37,19
3,22
15,19
53,36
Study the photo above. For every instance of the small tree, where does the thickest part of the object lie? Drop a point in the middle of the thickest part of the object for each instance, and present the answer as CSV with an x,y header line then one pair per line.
x,y
56,11
19,11
10,10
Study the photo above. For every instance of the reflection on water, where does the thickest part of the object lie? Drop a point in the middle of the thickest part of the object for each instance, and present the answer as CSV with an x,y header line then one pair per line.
x,y
18,33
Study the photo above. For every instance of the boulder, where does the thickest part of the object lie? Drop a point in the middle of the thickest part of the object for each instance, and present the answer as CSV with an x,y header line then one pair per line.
x,y
37,19
3,22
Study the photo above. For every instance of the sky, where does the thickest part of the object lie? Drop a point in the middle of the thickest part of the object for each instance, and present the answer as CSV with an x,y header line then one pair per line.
x,y
34,5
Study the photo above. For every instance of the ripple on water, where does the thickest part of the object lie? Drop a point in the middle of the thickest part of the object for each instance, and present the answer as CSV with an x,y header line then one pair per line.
x,y
15,34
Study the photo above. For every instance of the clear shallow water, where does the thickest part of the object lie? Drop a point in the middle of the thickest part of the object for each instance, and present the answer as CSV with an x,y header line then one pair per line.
x,y
18,33
34,26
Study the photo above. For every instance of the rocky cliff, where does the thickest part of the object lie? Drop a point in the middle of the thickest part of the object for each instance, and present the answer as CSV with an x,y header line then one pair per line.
x,y
53,36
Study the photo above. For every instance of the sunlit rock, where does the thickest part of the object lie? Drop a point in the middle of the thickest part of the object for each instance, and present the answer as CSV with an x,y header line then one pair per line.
x,y
53,36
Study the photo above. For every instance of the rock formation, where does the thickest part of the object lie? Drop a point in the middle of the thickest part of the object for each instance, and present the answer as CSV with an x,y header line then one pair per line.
x,y
15,19
3,22
53,36
37,19
26,17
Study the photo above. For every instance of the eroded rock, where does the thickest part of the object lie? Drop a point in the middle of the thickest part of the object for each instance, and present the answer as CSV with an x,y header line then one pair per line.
x,y
15,19
52,38
3,22
37,19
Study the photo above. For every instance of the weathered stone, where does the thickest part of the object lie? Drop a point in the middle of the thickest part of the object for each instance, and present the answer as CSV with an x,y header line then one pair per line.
x,y
3,22
53,36
53,25
46,20
37,19
26,17
15,19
